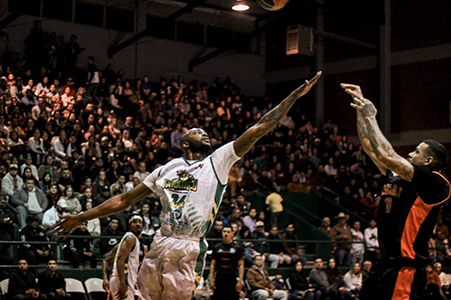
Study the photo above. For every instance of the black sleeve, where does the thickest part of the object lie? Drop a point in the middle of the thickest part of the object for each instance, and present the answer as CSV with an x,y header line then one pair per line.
x,y
431,187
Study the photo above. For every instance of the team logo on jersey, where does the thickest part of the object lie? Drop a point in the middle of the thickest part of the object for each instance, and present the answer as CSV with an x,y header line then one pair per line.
x,y
185,181
176,214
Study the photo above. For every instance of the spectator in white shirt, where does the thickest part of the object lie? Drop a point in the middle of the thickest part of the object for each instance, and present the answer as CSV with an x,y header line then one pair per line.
x,y
94,224
141,173
371,242
358,247
52,216
353,279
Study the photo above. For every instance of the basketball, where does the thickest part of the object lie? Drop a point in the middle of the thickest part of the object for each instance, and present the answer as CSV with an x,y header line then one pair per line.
x,y
272,5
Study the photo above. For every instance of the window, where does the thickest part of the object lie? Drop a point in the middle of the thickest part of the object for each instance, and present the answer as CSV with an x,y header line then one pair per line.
x,y
120,19
58,9
158,27
190,33
89,14
29,7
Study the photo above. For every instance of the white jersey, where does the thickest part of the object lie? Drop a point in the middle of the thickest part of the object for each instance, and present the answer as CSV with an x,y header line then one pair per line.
x,y
191,191
130,270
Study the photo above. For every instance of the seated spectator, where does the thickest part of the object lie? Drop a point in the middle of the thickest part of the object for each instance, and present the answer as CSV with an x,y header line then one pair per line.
x,y
52,215
94,224
319,279
444,279
22,283
79,249
29,164
6,234
235,217
279,283
366,270
300,287
28,201
441,232
45,183
261,286
73,205
87,197
292,248
103,196
100,182
353,279
215,232
277,248
52,284
262,246
34,253
48,167
433,284
118,187
251,220
335,277
242,204
65,179
111,230
53,194
11,182
141,174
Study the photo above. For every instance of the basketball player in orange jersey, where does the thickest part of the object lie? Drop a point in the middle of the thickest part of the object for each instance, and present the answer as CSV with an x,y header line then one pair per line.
x,y
412,196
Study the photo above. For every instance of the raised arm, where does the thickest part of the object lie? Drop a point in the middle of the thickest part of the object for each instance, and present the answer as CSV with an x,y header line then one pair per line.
x,y
245,142
373,141
109,207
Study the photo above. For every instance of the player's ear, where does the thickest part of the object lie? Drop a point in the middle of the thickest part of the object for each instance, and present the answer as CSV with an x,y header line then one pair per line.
x,y
428,161
185,145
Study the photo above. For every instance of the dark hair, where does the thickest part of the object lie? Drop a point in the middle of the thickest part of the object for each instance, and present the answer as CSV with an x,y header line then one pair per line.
x,y
438,152
227,226
127,221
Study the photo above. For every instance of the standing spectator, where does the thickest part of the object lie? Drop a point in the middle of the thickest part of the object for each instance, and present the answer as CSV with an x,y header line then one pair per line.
x,y
327,229
343,234
79,249
112,230
227,260
34,253
250,220
262,246
274,200
93,78
71,51
353,279
300,286
12,181
371,242
6,232
52,284
444,279
292,248
29,200
261,286
358,247
22,283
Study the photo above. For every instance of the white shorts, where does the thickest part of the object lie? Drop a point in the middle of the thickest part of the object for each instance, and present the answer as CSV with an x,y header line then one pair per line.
x,y
168,271
114,288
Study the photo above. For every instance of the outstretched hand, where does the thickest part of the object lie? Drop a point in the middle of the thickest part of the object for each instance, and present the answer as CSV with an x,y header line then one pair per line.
x,y
308,84
362,105
65,227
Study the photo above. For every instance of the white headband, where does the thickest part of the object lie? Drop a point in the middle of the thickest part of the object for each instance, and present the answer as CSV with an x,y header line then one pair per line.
x,y
135,217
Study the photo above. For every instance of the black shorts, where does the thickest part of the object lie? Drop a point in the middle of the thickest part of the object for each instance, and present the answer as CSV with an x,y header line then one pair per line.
x,y
394,283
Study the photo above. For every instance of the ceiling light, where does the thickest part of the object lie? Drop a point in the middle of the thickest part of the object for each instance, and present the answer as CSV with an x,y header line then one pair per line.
x,y
240,5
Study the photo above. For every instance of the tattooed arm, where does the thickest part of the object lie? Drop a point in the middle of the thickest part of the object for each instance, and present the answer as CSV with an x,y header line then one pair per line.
x,y
245,142
373,141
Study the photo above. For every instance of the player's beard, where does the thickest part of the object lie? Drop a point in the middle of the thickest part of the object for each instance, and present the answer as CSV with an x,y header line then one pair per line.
x,y
199,146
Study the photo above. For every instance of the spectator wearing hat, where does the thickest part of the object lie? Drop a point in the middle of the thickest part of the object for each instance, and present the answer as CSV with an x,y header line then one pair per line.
x,y
52,216
12,181
32,232
343,234
262,246
29,200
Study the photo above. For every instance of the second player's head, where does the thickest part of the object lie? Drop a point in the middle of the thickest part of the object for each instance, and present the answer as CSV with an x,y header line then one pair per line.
x,y
135,224
196,140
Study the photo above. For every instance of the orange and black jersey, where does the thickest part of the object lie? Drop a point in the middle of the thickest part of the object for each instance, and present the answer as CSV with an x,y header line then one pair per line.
x,y
408,212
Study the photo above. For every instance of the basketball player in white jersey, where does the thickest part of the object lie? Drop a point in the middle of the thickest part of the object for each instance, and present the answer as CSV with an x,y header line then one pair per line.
x,y
190,189
126,261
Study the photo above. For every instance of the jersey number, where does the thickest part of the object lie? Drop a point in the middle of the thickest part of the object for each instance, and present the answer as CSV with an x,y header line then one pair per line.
x,y
177,201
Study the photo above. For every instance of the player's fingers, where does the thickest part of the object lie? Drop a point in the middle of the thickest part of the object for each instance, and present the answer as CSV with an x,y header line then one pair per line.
x,y
348,86
354,106
315,79
358,101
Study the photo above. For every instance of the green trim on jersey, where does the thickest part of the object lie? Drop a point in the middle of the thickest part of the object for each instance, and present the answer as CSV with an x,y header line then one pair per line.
x,y
190,164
